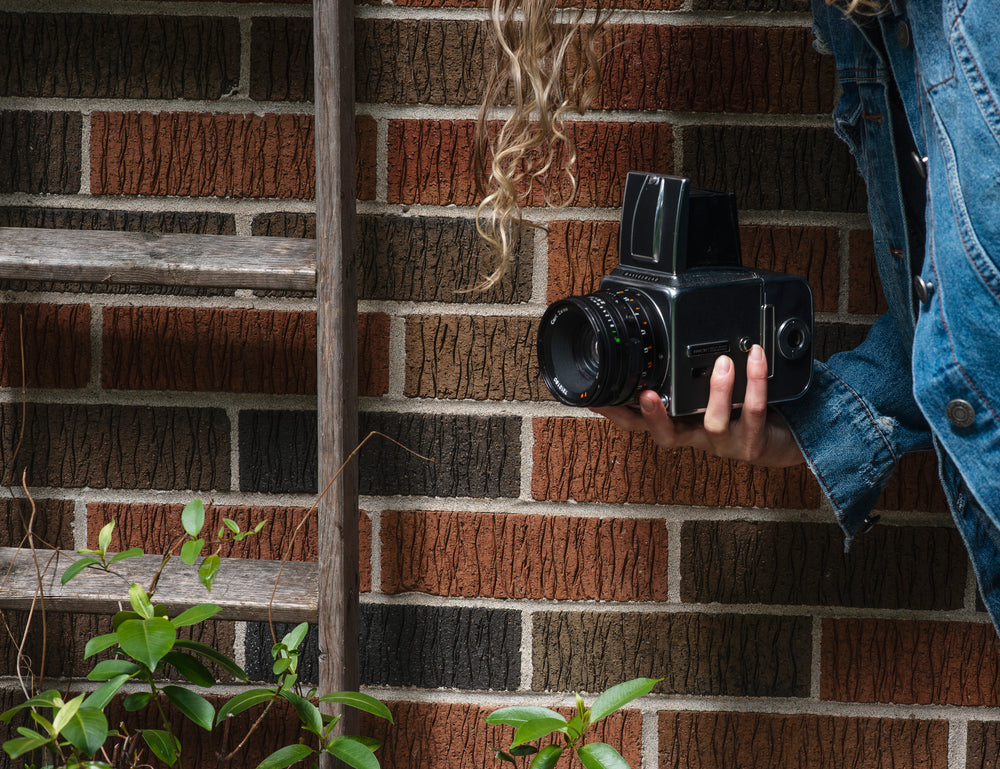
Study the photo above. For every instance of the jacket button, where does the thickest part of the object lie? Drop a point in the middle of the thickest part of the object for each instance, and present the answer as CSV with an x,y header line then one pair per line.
x,y
924,289
960,413
903,35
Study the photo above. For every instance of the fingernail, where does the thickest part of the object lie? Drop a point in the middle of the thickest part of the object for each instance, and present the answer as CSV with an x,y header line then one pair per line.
x,y
645,406
756,353
722,365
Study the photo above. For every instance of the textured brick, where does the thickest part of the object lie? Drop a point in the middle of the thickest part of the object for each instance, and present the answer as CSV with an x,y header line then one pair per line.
x,y
467,456
430,736
52,524
714,69
591,460
119,447
471,356
524,556
767,6
229,350
831,338
983,745
724,740
74,55
416,258
865,291
580,254
644,5
52,341
718,655
40,151
281,59
769,167
197,222
365,149
805,563
910,662
915,485
431,161
155,527
424,646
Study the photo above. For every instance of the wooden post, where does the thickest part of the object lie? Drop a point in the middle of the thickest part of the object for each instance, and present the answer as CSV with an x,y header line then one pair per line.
x,y
336,336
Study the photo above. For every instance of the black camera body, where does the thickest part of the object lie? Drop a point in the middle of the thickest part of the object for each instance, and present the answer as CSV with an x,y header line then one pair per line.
x,y
678,299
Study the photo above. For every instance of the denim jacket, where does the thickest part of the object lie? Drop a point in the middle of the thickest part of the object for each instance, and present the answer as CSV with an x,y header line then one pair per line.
x,y
928,373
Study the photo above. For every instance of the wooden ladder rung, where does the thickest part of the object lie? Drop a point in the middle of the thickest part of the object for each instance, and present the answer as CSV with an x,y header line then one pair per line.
x,y
242,589
219,261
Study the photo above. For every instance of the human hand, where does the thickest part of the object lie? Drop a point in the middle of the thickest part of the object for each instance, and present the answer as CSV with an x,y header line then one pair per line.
x,y
756,436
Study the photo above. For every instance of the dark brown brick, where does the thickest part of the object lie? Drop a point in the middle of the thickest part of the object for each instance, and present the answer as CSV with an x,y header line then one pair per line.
x,y
910,662
52,524
805,563
45,345
73,55
695,654
40,151
865,292
580,254
714,69
768,7
196,222
450,736
915,485
591,460
471,356
119,447
229,350
431,161
366,149
983,745
832,338
769,167
524,556
811,252
281,59
691,740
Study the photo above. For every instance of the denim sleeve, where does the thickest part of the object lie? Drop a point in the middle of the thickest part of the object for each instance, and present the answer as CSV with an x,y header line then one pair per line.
x,y
856,420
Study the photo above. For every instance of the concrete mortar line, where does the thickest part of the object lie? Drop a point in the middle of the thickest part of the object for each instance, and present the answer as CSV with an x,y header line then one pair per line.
x,y
958,742
233,415
224,106
397,356
816,666
243,87
527,456
85,153
650,739
527,656
381,159
674,558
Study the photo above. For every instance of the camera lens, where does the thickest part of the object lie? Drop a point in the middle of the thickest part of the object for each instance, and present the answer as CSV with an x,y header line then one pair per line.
x,y
599,349
793,339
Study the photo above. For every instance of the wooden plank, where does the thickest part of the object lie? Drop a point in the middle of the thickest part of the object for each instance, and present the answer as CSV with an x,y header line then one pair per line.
x,y
242,589
336,328
222,261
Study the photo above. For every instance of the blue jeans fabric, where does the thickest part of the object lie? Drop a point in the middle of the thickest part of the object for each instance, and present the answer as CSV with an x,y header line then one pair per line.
x,y
870,406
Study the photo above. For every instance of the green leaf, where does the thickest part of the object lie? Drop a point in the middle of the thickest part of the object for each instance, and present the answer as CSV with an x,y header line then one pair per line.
x,y
191,550
600,755
191,668
195,614
523,750
104,537
286,756
546,757
86,730
244,701
20,745
162,743
108,669
519,714
141,604
76,567
352,753
121,616
193,517
536,729
63,715
499,754
98,644
620,695
295,636
575,727
359,701
309,715
281,665
259,526
147,640
137,701
231,525
208,570
132,552
214,655
193,705
101,696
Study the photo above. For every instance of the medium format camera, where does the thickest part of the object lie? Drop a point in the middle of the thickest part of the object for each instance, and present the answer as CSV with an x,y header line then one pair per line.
x,y
678,299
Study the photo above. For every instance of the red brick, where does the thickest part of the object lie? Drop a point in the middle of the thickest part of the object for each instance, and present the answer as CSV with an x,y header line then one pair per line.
x,y
915,485
725,740
591,460
714,69
983,745
229,350
580,254
910,662
812,252
56,345
366,132
471,356
431,161
865,293
432,736
524,556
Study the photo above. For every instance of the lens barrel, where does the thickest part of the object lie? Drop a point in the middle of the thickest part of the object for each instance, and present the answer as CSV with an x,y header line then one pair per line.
x,y
599,349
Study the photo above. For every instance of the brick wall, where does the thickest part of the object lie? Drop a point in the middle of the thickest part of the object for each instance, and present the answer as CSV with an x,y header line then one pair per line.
x,y
542,551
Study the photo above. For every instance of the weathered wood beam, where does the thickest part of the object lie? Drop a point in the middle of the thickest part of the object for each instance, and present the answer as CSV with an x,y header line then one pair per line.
x,y
222,261
242,590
